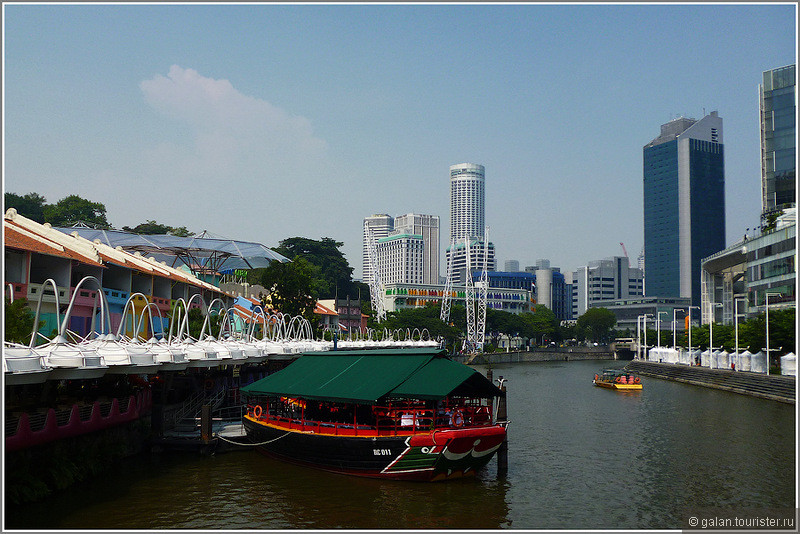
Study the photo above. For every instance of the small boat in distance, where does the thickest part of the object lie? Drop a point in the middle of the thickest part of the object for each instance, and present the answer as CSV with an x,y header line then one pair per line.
x,y
618,379
403,414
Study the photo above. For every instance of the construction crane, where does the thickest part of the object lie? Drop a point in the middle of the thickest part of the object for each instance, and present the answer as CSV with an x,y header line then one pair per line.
x,y
375,284
625,252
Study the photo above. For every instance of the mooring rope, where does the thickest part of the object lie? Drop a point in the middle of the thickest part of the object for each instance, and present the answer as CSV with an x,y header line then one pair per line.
x,y
252,444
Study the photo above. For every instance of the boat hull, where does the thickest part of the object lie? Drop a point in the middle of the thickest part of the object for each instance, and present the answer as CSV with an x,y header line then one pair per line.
x,y
427,456
614,385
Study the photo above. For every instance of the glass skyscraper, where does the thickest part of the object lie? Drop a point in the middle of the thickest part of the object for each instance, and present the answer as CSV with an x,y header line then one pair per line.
x,y
684,205
778,112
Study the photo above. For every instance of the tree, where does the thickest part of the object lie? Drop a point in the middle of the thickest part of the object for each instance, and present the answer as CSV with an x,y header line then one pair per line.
x,y
541,323
153,228
19,321
334,275
74,209
597,323
290,286
426,317
30,205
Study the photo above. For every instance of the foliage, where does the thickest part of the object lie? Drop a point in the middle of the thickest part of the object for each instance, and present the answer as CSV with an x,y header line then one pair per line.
x,y
151,227
30,205
291,286
427,318
333,275
542,323
196,320
597,324
19,321
74,209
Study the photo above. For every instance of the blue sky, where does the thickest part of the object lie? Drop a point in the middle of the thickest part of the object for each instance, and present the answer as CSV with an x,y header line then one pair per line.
x,y
263,122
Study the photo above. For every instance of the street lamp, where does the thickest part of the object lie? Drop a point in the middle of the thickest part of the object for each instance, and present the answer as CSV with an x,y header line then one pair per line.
x,y
644,327
674,327
766,301
736,321
690,327
712,305
658,325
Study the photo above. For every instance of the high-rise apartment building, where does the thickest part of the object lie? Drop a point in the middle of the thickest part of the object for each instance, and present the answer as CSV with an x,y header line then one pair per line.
x,y
467,219
380,225
400,258
684,204
427,227
778,113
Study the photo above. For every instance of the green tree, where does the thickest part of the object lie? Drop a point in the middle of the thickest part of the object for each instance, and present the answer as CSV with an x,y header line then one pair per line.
x,y
30,205
153,228
426,317
290,286
334,273
541,323
597,324
19,321
74,209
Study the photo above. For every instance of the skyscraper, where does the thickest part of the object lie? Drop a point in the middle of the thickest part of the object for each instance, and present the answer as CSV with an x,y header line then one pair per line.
x,y
426,226
778,111
467,220
684,204
380,225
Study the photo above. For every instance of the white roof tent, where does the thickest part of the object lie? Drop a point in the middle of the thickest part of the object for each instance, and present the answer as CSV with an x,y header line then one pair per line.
x,y
200,254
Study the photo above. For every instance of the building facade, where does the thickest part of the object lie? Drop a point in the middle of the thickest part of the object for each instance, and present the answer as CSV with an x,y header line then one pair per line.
x,y
427,227
380,225
467,221
602,280
403,296
778,115
684,204
400,258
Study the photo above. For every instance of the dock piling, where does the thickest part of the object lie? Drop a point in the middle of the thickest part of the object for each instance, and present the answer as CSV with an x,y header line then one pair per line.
x,y
502,416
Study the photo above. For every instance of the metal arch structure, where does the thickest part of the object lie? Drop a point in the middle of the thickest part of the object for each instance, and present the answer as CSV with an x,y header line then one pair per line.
x,y
469,294
483,294
444,314
375,284
477,297
201,253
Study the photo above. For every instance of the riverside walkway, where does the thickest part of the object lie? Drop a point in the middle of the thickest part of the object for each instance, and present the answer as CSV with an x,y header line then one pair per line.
x,y
774,387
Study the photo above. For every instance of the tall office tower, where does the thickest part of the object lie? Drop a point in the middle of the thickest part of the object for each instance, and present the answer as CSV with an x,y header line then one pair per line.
x,y
467,201
511,266
380,224
467,218
684,204
778,111
427,227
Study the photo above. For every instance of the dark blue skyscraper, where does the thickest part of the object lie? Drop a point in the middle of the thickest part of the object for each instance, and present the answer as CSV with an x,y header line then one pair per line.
x,y
684,205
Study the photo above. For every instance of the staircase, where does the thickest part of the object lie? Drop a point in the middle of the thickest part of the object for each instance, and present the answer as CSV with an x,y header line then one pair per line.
x,y
774,387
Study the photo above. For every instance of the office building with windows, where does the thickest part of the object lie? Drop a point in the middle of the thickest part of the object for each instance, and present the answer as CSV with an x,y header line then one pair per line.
x,y
427,228
778,115
380,225
684,204
604,280
467,220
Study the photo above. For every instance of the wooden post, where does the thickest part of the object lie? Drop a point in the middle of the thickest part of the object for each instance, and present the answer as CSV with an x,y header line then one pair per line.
x,y
205,424
502,415
489,374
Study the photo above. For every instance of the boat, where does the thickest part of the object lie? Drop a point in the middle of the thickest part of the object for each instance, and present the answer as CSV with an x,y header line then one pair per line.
x,y
619,379
402,414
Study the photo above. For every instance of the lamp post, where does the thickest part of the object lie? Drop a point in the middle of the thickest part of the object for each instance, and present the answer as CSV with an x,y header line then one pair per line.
x,y
658,325
736,322
644,328
690,326
674,327
712,305
766,301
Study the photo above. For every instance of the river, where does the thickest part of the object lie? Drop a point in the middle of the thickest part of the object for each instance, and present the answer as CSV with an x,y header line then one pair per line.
x,y
580,457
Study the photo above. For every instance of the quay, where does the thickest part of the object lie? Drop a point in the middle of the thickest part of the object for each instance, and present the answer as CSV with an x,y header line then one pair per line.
x,y
545,355
781,388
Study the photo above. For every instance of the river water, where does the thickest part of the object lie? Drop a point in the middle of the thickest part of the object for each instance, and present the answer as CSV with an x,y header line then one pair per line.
x,y
580,457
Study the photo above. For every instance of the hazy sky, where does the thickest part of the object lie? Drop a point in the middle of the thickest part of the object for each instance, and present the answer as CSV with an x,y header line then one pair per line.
x,y
263,122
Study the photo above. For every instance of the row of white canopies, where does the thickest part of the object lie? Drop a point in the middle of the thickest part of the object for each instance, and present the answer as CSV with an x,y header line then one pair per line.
x,y
741,361
69,356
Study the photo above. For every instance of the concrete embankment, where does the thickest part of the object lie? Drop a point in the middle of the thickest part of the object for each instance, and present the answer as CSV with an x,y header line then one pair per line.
x,y
773,387
540,355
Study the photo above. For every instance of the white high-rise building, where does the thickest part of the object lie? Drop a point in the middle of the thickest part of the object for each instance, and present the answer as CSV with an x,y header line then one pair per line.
x,y
467,201
427,227
467,219
380,224
400,258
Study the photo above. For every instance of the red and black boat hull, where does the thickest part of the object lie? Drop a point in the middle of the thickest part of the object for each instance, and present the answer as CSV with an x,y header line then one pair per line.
x,y
425,456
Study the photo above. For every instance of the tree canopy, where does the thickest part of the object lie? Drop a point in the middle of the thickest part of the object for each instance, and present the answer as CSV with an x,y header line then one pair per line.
x,y
290,286
333,275
30,205
597,324
151,227
74,209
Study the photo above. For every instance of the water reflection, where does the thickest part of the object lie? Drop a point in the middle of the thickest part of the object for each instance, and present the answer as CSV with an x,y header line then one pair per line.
x,y
580,457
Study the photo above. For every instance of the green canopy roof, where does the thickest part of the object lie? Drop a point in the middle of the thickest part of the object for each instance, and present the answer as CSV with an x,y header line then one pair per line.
x,y
365,376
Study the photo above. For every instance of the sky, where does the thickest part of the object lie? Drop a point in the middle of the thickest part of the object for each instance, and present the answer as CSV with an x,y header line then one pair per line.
x,y
265,122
